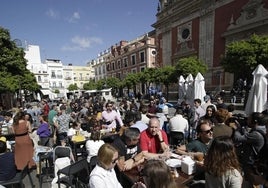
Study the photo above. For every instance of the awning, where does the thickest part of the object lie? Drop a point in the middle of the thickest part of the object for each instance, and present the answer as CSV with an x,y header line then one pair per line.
x,y
45,92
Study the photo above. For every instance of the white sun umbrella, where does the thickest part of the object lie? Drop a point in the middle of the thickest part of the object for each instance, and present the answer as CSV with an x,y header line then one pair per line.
x,y
189,86
181,89
199,87
257,98
38,97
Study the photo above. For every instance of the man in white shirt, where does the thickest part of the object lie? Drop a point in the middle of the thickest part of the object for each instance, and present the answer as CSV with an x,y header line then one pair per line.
x,y
138,123
178,124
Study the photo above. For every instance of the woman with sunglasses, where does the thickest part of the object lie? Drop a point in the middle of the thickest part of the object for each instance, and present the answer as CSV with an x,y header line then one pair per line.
x,y
103,175
221,164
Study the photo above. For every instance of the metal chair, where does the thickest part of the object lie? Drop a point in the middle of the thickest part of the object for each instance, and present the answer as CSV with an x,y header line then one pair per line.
x,y
48,169
76,174
62,151
18,179
92,163
176,138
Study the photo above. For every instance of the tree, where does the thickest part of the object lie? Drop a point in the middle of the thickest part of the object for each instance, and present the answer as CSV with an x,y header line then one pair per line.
x,y
130,81
114,83
90,85
167,75
242,57
72,87
190,65
13,72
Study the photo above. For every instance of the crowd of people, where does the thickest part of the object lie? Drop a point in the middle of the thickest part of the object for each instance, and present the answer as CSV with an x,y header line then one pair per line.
x,y
231,149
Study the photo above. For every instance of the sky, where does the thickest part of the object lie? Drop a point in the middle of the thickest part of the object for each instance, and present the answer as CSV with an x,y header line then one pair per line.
x,y
76,31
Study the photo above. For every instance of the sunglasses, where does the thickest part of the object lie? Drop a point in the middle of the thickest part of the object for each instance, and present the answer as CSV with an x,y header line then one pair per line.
x,y
208,131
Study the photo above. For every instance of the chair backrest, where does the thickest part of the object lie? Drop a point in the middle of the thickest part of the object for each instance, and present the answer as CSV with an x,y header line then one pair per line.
x,y
78,166
176,137
61,151
18,178
78,171
93,162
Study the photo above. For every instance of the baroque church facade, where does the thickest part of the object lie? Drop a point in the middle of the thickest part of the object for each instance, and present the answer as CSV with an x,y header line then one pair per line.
x,y
203,28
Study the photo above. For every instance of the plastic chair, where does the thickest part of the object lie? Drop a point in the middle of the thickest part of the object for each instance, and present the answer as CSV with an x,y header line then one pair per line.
x,y
176,138
18,179
76,174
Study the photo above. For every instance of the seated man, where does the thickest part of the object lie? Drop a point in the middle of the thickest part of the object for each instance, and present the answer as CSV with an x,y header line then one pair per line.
x,y
154,141
201,144
128,146
7,168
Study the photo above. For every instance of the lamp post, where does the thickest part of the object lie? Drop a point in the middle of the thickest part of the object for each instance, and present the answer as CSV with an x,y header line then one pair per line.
x,y
219,74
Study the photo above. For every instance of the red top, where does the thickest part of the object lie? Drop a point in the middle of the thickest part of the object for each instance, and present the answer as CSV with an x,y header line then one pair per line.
x,y
151,143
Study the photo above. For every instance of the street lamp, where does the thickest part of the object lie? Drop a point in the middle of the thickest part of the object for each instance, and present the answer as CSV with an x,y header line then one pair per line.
x,y
219,74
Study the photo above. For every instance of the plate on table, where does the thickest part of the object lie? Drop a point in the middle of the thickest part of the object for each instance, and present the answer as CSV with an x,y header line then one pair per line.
x,y
174,163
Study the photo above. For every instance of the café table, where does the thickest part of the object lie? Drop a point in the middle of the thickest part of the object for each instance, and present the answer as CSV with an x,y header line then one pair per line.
x,y
43,157
9,137
109,137
133,176
79,147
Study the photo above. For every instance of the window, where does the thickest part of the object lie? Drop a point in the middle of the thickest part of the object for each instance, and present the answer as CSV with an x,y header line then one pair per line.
x,y
125,62
53,74
39,78
118,64
142,57
133,59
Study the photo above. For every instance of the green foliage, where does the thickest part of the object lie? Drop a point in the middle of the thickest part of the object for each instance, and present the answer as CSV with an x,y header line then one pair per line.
x,y
190,65
72,87
13,72
57,91
242,57
90,85
101,84
130,80
167,75
112,82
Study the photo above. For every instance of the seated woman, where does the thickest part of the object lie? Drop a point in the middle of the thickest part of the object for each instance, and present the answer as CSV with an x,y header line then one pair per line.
x,y
74,129
103,175
221,164
93,145
7,168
